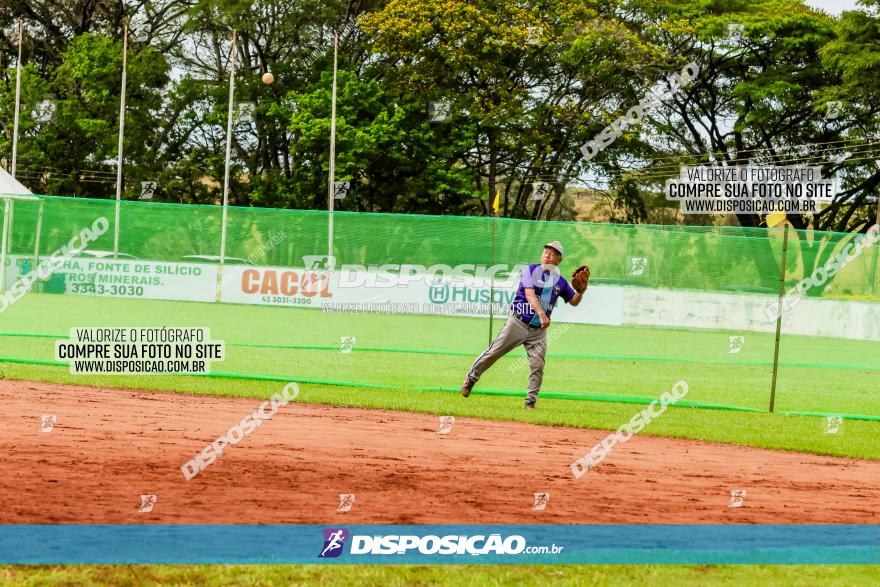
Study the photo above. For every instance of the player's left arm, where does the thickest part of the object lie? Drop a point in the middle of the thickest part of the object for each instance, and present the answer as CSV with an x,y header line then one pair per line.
x,y
571,297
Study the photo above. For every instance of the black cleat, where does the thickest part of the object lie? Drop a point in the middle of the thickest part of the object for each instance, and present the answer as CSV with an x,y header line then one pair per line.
x,y
467,386
529,406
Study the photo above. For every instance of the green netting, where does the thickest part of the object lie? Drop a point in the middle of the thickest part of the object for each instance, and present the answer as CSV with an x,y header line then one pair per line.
x,y
686,295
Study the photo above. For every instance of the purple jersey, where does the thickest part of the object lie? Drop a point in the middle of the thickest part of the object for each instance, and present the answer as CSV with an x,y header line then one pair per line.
x,y
548,287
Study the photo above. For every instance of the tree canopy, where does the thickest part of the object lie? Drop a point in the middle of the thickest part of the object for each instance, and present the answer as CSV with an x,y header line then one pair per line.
x,y
442,105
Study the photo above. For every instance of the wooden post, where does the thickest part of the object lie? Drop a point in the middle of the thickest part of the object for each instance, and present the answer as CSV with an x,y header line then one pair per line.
x,y
779,317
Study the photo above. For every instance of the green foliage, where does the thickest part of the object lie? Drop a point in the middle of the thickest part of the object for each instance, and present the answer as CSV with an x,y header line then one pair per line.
x,y
82,135
523,76
527,83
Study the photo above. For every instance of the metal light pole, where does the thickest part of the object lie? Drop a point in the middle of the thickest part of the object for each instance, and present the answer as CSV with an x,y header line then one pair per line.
x,y
119,150
226,171
17,98
331,179
876,246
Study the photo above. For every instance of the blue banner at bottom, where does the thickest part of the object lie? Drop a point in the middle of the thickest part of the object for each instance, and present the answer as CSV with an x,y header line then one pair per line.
x,y
440,544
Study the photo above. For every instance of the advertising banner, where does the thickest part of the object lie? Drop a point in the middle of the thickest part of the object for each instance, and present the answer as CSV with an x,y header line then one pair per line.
x,y
126,278
382,292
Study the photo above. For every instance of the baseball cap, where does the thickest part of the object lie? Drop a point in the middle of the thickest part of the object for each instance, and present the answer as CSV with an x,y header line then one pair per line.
x,y
556,246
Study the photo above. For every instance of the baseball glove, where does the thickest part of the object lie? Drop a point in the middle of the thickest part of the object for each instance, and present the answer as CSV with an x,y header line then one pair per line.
x,y
580,278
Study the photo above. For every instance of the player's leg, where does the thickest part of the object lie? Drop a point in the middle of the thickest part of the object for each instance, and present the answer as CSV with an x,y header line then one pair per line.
x,y
536,349
511,335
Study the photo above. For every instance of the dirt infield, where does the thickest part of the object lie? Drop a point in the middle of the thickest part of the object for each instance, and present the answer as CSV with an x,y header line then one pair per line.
x,y
109,446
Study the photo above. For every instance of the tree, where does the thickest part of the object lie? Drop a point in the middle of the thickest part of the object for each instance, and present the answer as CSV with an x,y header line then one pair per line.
x,y
760,100
854,55
80,138
523,77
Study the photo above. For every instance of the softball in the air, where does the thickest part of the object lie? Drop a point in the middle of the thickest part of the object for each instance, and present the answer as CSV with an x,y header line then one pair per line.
x,y
268,78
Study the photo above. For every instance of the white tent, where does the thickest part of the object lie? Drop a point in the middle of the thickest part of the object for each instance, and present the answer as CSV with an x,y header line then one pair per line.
x,y
12,191
9,185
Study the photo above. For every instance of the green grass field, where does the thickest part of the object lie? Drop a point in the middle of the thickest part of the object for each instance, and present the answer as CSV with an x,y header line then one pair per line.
x,y
428,352
477,576
416,363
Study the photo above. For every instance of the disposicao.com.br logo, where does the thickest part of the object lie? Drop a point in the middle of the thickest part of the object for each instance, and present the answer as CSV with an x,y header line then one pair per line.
x,y
431,544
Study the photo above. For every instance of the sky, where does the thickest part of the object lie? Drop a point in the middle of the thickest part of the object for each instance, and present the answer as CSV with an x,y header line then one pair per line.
x,y
833,6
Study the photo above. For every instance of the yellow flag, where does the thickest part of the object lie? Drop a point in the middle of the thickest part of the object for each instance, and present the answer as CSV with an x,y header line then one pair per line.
x,y
496,203
774,219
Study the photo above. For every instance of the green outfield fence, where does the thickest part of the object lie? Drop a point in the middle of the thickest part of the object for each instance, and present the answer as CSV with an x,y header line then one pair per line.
x,y
675,303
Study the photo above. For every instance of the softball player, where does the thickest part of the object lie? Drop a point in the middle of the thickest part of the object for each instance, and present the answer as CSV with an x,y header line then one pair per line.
x,y
540,287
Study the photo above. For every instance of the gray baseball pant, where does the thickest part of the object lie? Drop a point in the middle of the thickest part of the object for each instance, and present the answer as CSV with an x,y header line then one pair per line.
x,y
513,334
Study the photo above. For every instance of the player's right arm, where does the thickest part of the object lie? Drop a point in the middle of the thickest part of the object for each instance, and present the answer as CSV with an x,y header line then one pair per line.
x,y
536,306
